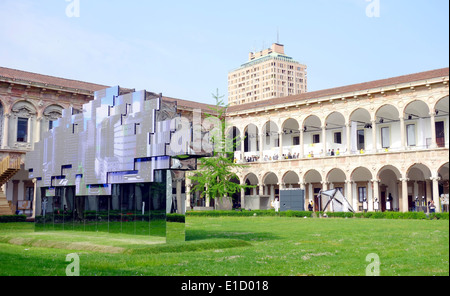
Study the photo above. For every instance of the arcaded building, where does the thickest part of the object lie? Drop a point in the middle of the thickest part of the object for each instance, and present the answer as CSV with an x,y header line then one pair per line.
x,y
380,141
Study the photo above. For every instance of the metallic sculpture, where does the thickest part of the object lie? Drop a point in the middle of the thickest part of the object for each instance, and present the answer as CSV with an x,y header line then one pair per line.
x,y
108,166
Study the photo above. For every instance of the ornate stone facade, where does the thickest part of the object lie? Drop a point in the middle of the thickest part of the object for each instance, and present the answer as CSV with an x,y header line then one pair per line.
x,y
387,140
374,140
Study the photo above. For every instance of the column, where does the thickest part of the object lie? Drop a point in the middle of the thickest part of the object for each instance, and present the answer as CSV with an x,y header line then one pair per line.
x,y
369,197
404,207
188,184
402,133
429,194
324,140
376,193
242,197
280,139
33,213
310,192
180,203
37,137
5,140
349,194
302,185
242,140
261,147
433,130
436,193
374,136
207,198
349,138
301,144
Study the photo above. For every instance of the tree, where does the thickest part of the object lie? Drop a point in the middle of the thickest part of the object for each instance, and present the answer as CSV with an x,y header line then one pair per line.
x,y
215,173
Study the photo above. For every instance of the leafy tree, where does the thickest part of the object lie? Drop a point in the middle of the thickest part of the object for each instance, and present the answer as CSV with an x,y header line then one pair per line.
x,y
215,173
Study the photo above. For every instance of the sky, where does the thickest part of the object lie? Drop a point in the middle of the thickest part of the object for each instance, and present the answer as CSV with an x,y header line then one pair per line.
x,y
185,49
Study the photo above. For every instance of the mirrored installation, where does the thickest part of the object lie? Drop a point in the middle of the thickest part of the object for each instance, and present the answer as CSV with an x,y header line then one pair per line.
x,y
109,167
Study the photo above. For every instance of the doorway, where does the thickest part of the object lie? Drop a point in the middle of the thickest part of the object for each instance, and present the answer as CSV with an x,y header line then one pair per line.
x,y
440,134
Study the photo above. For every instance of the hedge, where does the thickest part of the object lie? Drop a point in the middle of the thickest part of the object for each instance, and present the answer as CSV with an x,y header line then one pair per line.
x,y
13,218
302,214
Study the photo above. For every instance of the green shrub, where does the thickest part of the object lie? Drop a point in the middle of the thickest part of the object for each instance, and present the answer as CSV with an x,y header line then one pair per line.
x,y
13,218
340,214
301,214
175,218
439,216
291,213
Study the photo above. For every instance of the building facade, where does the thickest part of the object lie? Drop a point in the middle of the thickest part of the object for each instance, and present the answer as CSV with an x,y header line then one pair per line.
x,y
384,141
29,104
381,141
267,74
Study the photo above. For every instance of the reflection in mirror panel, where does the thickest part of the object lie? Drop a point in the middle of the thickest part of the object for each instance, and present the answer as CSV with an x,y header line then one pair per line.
x,y
111,167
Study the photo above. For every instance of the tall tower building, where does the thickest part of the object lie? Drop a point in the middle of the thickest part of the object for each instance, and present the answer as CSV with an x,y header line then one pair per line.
x,y
266,75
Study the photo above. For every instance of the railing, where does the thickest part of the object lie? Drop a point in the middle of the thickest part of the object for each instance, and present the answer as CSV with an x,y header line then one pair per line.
x,y
8,168
254,156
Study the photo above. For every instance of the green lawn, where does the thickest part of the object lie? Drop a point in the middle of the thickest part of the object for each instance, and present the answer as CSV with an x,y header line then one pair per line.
x,y
237,246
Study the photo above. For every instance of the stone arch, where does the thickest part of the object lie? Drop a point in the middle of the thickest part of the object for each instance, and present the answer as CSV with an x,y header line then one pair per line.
x,y
291,179
360,121
418,171
233,135
251,140
50,114
270,135
389,176
441,118
441,105
24,108
415,109
361,174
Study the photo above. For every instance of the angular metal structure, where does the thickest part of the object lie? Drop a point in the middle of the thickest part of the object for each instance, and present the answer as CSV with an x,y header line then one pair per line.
x,y
108,167
334,201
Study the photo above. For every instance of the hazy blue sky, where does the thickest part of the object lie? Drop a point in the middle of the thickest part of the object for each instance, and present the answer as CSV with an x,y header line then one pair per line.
x,y
185,49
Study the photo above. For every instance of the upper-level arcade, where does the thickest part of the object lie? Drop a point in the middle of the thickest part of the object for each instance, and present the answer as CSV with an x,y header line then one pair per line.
x,y
393,118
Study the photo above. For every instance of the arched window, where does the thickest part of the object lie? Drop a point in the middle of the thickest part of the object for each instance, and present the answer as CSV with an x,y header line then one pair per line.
x,y
23,118
51,114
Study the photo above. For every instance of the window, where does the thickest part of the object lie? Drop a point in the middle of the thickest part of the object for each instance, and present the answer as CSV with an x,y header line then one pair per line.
x,y
22,129
295,141
29,193
385,143
316,138
411,134
360,138
362,193
338,138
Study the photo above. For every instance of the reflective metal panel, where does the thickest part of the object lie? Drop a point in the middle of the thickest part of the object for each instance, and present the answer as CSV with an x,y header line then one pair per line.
x,y
107,168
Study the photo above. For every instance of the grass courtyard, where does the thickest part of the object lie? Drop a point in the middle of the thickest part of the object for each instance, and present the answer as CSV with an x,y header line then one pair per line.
x,y
237,246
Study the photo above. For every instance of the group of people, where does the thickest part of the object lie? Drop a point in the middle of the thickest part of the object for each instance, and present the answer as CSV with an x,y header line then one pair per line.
x,y
255,158
252,158
330,152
